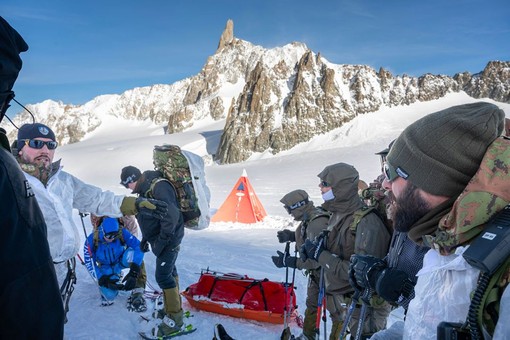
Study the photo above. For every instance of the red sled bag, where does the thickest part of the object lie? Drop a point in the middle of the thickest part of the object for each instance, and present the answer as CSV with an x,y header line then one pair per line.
x,y
242,297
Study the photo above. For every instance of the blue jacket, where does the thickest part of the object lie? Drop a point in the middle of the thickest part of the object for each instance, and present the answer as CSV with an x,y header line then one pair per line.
x,y
108,256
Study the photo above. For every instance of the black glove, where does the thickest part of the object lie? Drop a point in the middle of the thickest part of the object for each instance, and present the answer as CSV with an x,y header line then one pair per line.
x,y
284,261
394,285
352,276
110,283
286,235
131,277
144,245
366,269
312,250
151,207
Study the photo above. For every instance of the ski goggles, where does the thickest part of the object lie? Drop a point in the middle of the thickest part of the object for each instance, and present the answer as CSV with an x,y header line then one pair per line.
x,y
296,205
129,179
111,236
38,144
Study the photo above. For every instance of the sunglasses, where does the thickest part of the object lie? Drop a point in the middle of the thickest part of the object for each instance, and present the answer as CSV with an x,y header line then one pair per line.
x,y
324,184
296,205
38,144
389,172
111,236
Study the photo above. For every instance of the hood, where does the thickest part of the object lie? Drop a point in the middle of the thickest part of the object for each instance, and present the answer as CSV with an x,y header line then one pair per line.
x,y
343,179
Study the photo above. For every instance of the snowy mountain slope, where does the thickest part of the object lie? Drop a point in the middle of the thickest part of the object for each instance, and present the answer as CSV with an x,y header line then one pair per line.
x,y
225,247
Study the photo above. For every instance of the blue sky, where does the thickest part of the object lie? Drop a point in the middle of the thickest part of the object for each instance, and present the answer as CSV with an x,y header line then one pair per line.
x,y
82,49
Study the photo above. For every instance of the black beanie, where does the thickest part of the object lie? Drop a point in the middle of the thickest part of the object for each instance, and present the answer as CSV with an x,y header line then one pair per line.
x,y
129,174
31,131
442,151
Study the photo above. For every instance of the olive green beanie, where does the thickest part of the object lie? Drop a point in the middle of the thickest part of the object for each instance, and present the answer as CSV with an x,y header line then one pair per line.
x,y
294,197
442,151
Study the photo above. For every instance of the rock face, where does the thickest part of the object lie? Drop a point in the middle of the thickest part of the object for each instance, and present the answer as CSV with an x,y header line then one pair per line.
x,y
271,99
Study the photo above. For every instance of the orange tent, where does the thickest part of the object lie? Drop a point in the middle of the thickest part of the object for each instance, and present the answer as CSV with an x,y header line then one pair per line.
x,y
242,204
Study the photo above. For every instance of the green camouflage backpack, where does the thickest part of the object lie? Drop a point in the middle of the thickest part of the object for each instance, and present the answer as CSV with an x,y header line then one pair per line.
x,y
170,161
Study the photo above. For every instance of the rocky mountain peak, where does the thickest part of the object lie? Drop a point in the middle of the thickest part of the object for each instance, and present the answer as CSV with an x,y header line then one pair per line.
x,y
270,99
227,37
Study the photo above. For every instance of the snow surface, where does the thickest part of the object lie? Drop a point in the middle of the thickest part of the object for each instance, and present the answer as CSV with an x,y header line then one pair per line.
x,y
224,247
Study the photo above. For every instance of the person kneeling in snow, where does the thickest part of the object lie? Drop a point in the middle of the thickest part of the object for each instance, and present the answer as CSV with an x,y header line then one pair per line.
x,y
107,251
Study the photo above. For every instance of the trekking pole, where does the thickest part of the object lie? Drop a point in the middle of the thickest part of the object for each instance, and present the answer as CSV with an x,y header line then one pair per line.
x,y
319,304
348,317
365,300
324,317
287,247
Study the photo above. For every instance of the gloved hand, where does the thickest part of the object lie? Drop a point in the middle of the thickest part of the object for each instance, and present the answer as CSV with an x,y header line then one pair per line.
x,y
352,276
146,206
110,283
151,207
131,277
312,250
366,269
394,285
286,235
284,261
144,245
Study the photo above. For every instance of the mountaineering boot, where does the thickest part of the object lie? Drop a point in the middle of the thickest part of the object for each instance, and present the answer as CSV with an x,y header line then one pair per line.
x,y
220,333
136,302
336,328
309,325
172,322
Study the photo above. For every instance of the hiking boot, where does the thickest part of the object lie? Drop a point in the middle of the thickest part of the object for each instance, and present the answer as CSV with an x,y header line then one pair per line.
x,y
167,327
136,302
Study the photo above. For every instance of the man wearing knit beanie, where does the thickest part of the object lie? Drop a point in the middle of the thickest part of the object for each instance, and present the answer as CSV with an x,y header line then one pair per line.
x,y
428,167
32,131
31,306
440,152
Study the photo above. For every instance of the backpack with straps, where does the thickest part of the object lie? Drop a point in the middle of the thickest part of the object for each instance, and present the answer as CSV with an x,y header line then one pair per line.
x,y
185,172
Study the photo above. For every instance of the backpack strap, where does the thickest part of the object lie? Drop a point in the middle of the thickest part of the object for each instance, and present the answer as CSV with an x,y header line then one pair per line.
x,y
149,192
358,216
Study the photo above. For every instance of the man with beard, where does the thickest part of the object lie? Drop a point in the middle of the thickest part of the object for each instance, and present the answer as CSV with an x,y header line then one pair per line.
x,y
449,176
30,302
59,192
353,228
403,261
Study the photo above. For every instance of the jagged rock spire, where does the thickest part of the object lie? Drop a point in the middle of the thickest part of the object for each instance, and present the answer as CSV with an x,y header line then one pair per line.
x,y
227,36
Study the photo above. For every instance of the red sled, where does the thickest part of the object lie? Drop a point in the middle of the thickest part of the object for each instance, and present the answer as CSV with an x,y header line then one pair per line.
x,y
242,297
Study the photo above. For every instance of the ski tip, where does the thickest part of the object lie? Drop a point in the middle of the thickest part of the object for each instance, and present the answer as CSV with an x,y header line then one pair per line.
x,y
187,330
